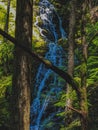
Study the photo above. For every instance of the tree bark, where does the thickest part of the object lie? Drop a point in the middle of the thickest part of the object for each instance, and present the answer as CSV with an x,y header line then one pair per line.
x,y
83,97
71,40
22,67
6,27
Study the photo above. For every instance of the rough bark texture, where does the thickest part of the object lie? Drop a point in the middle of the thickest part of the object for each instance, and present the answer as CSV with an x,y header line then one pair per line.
x,y
71,40
22,67
83,97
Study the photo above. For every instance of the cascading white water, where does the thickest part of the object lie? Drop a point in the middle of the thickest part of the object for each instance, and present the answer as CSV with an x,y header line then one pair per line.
x,y
47,82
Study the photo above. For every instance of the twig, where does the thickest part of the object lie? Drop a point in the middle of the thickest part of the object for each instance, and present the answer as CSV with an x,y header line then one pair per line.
x,y
78,111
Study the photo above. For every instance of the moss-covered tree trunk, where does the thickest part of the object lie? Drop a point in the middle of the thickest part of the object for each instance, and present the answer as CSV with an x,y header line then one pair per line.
x,y
83,97
71,40
6,27
22,67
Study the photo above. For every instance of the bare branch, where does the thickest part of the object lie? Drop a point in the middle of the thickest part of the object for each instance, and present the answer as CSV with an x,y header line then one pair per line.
x,y
78,111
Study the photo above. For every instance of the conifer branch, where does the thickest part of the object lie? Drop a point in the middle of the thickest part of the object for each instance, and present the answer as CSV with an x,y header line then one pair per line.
x,y
96,34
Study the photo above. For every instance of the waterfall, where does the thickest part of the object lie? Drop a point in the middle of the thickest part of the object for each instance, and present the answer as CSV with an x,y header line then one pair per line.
x,y
47,83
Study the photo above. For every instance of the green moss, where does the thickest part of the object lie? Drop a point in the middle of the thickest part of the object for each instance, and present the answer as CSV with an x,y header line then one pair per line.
x,y
83,68
4,83
2,16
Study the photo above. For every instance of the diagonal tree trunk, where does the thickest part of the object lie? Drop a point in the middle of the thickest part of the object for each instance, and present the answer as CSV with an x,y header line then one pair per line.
x,y
48,64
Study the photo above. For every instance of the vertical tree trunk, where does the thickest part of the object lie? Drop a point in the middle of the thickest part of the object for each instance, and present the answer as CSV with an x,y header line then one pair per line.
x,y
71,40
22,67
6,27
83,98
7,16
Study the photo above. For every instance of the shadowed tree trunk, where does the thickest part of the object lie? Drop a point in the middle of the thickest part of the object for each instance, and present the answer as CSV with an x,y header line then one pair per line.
x,y
22,67
71,40
83,97
6,27
7,16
